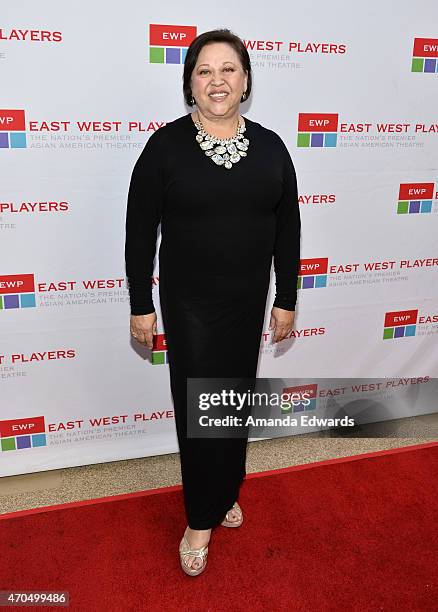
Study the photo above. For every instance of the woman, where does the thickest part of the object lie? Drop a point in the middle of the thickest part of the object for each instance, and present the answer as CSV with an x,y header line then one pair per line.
x,y
226,210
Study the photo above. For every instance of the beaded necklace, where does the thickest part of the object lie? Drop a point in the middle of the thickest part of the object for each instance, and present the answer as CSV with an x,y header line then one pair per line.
x,y
223,151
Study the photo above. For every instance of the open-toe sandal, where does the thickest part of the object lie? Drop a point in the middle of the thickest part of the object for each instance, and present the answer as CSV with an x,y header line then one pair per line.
x,y
227,522
185,551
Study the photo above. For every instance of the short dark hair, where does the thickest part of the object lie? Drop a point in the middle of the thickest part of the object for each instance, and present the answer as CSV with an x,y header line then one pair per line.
x,y
221,35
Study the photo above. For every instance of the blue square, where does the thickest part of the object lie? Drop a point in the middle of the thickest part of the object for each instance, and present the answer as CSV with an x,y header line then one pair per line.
x,y
414,206
430,65
173,55
27,300
18,140
426,206
399,331
308,282
11,301
330,140
183,54
316,140
39,440
311,405
410,330
321,280
22,441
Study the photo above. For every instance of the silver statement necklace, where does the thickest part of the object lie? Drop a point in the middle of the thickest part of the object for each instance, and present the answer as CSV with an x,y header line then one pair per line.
x,y
223,151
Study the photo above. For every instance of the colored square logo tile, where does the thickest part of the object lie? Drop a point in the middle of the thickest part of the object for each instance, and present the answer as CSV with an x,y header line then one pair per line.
x,y
156,55
426,206
321,280
4,140
39,440
414,207
317,140
410,330
158,357
299,282
399,332
183,54
18,140
311,405
1,302
11,301
8,444
27,300
299,408
417,64
308,282
402,208
303,140
388,333
23,442
429,65
330,140
173,55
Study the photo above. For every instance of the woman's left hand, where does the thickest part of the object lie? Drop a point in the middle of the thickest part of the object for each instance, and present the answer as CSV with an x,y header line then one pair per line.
x,y
282,322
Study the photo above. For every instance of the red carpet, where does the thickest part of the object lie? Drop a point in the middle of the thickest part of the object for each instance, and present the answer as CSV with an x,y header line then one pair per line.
x,y
355,534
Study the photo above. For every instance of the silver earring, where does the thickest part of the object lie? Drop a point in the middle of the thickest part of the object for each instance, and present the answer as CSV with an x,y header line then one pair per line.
x,y
243,98
192,100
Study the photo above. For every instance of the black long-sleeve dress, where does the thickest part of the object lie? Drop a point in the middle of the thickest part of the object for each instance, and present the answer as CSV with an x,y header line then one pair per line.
x,y
220,230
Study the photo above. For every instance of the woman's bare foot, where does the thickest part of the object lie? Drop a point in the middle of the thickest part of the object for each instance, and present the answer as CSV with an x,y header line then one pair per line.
x,y
197,538
233,515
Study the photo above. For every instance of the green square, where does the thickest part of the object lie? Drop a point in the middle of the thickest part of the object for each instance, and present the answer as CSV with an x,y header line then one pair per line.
x,y
303,140
8,444
156,55
299,283
388,333
1,302
417,64
402,208
158,357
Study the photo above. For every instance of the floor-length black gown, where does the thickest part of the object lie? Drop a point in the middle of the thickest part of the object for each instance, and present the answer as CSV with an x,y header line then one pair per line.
x,y
220,230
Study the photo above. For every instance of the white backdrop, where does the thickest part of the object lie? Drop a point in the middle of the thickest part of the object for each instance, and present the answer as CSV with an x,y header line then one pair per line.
x,y
80,94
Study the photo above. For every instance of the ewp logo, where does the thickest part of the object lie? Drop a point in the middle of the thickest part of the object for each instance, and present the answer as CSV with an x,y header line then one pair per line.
x,y
400,324
159,349
415,198
313,273
295,404
17,434
12,129
168,43
17,291
317,129
425,55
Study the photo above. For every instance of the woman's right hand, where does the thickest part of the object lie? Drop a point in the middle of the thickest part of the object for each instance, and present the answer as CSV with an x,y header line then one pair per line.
x,y
143,328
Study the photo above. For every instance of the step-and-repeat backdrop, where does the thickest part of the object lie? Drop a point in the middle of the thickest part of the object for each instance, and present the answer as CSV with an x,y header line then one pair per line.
x,y
353,94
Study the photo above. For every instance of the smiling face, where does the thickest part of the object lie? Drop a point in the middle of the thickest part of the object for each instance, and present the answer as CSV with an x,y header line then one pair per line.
x,y
218,81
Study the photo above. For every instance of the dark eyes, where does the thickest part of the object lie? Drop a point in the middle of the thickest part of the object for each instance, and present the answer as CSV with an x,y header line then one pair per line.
x,y
227,69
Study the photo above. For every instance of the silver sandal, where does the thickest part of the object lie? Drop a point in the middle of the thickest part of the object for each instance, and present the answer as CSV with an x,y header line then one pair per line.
x,y
227,523
185,550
